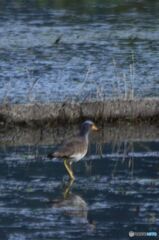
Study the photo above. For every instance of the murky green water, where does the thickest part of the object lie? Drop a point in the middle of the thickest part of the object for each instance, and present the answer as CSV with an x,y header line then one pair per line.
x,y
116,191
55,50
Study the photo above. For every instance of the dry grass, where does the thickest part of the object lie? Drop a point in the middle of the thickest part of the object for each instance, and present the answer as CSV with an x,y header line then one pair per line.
x,y
122,84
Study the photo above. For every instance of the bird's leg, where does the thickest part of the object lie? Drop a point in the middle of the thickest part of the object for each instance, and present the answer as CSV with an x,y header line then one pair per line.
x,y
69,170
67,189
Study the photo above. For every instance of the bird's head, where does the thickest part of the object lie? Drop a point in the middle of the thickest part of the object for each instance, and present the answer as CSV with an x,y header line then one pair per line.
x,y
87,126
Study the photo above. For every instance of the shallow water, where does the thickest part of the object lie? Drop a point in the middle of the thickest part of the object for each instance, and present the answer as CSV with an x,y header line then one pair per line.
x,y
116,191
56,50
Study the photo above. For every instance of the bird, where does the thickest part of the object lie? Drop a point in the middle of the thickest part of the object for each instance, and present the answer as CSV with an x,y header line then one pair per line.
x,y
75,149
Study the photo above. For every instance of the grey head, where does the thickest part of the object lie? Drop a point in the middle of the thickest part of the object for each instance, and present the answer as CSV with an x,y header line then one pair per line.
x,y
86,127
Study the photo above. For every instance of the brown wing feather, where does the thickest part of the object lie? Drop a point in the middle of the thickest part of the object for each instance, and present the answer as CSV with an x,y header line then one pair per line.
x,y
75,145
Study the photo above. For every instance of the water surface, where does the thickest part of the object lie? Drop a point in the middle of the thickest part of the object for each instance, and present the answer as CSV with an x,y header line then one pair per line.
x,y
116,191
57,50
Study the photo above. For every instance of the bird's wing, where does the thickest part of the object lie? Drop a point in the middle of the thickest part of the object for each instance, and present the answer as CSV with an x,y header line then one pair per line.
x,y
68,149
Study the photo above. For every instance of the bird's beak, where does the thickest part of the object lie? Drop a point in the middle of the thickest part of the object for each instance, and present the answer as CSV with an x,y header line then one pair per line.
x,y
94,128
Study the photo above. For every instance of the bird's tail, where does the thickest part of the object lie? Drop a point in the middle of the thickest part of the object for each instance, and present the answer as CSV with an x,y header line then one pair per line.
x,y
53,155
50,155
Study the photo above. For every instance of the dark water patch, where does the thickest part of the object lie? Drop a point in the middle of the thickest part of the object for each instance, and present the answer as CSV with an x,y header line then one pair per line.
x,y
116,191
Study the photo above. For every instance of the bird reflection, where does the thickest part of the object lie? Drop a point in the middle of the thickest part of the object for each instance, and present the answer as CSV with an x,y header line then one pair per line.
x,y
74,206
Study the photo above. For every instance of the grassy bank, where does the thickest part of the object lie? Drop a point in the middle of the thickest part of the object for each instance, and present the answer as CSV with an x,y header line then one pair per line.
x,y
53,113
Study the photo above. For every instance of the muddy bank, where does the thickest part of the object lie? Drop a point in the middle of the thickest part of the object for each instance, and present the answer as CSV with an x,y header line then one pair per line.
x,y
107,111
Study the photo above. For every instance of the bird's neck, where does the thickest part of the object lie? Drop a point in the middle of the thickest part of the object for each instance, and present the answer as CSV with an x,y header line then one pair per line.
x,y
84,134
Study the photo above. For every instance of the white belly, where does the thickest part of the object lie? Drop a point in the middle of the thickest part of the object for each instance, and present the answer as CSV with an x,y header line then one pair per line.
x,y
78,156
